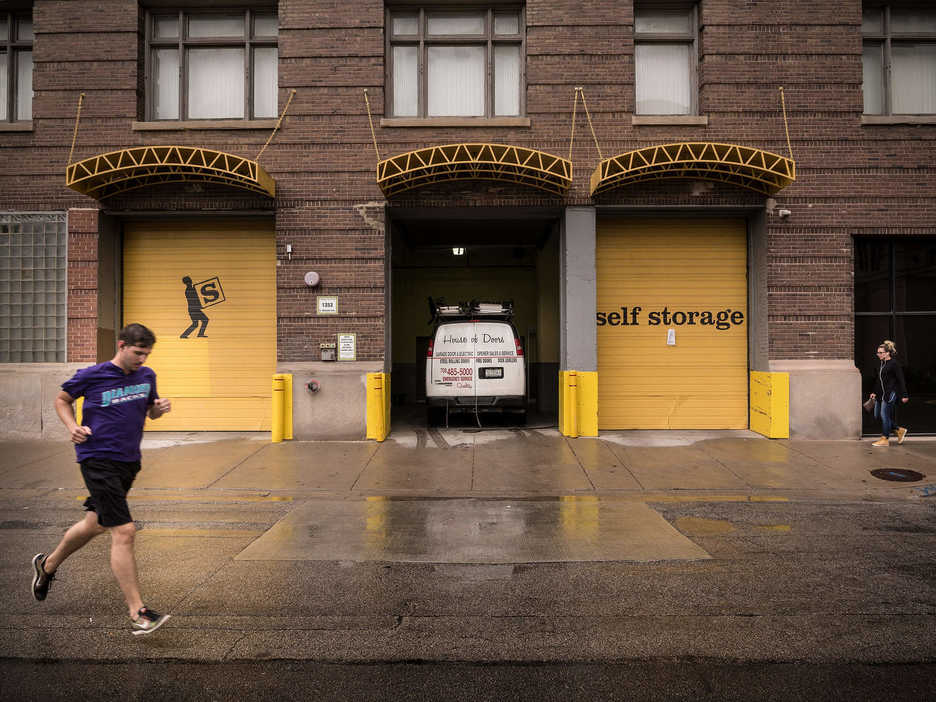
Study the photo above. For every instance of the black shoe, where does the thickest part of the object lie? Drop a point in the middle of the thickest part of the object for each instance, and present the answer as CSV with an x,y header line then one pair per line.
x,y
148,621
42,580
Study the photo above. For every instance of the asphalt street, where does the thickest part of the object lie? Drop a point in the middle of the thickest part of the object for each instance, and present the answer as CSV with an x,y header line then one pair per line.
x,y
508,565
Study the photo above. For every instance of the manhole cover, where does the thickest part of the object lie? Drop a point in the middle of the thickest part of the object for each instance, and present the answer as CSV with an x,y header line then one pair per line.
x,y
900,475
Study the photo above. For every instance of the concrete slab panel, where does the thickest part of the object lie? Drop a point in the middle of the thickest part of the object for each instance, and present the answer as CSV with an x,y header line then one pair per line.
x,y
474,531
20,452
189,466
850,462
529,463
676,468
604,469
524,477
427,470
766,464
320,465
922,447
526,448
52,472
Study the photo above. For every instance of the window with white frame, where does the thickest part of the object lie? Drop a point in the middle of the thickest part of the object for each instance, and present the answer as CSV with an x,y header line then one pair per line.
x,y
443,62
33,292
899,61
211,65
16,67
665,64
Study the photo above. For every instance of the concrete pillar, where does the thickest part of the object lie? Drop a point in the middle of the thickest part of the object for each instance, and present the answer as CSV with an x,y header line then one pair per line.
x,y
825,398
577,296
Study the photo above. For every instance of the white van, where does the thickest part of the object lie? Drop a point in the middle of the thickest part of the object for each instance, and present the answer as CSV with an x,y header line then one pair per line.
x,y
474,362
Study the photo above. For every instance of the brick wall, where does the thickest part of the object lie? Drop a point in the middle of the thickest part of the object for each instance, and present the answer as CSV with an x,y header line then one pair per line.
x,y
82,285
851,179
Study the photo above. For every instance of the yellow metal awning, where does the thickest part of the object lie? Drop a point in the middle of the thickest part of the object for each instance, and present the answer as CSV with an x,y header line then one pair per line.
x,y
116,172
747,167
436,164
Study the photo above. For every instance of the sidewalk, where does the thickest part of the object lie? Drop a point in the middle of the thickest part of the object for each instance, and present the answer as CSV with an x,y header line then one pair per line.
x,y
494,463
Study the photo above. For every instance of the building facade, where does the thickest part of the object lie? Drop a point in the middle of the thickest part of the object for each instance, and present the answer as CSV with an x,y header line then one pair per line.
x,y
674,195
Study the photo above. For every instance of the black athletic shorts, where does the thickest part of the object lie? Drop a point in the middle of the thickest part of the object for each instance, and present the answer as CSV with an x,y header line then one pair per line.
x,y
109,482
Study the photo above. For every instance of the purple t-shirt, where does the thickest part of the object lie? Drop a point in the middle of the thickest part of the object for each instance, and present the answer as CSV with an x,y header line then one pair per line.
x,y
115,406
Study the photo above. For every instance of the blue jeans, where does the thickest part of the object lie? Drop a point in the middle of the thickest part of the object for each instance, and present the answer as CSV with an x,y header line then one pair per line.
x,y
887,413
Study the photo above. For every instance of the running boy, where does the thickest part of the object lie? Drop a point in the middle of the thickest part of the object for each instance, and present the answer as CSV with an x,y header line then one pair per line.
x,y
119,395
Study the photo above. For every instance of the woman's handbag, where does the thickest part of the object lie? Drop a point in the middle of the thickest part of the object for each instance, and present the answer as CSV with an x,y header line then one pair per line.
x,y
868,404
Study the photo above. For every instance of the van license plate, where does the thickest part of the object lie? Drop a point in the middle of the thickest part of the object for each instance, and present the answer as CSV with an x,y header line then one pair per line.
x,y
492,373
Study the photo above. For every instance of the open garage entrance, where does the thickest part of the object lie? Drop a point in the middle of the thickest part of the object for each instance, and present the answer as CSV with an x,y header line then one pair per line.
x,y
461,255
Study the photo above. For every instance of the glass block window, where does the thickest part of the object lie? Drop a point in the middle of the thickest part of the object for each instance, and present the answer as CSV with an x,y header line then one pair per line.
x,y
33,292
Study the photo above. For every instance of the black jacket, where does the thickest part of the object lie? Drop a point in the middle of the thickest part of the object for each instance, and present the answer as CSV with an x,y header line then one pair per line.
x,y
890,382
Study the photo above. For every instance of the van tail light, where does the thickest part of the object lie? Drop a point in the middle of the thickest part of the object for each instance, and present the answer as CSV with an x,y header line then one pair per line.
x,y
429,349
519,347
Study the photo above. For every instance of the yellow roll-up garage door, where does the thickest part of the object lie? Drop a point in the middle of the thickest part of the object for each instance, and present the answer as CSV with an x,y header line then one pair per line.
x,y
213,282
672,323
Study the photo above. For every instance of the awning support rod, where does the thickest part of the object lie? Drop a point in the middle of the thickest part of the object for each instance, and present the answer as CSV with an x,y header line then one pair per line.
x,y
785,125
278,123
579,90
371,120
588,115
75,133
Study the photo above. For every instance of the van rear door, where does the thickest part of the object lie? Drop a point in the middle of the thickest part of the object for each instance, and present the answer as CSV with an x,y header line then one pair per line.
x,y
498,366
451,371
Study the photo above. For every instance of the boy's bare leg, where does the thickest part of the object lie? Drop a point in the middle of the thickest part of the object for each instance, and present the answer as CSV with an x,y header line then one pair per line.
x,y
123,563
77,536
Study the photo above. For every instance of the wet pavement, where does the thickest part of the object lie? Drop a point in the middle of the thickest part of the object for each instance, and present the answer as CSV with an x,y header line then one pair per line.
x,y
508,545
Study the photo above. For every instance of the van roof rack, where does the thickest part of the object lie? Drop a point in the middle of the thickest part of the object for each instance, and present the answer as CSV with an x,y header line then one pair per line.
x,y
439,309
491,309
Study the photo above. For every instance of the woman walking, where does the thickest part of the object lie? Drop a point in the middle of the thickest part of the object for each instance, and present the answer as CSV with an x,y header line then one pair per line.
x,y
888,387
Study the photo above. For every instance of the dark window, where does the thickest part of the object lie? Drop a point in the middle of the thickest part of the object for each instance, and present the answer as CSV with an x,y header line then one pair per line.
x,y
895,298
211,65
899,59
16,67
455,63
665,58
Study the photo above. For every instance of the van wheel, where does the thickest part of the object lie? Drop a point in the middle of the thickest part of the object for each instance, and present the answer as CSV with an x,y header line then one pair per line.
x,y
522,417
434,416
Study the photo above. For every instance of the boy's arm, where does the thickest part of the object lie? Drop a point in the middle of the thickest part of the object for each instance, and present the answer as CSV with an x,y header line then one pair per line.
x,y
64,408
159,407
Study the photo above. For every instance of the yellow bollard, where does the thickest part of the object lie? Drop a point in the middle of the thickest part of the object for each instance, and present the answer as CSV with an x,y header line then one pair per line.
x,y
578,403
587,403
79,410
572,396
288,407
568,403
770,404
279,391
376,406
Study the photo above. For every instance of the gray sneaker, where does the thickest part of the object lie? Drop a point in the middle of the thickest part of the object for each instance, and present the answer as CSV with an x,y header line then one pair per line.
x,y
41,579
148,621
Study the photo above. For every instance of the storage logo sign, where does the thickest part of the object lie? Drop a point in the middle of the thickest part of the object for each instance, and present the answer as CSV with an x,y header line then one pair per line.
x,y
631,317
